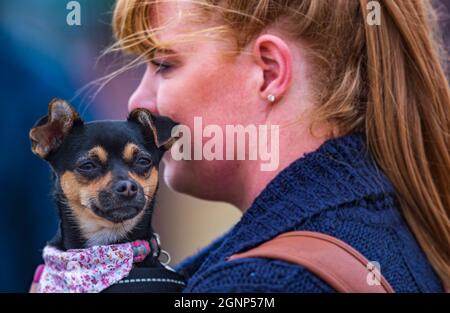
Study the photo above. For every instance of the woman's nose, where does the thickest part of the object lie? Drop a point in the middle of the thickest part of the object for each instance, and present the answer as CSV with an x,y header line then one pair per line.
x,y
144,95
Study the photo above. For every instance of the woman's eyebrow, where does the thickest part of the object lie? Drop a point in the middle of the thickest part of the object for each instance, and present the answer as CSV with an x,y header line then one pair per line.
x,y
163,51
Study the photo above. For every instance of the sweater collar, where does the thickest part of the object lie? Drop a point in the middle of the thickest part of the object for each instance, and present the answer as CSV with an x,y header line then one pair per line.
x,y
340,171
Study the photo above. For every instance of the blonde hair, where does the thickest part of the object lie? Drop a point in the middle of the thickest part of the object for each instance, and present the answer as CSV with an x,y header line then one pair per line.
x,y
387,81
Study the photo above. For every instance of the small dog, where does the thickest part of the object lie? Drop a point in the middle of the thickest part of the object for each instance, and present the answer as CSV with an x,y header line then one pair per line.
x,y
105,177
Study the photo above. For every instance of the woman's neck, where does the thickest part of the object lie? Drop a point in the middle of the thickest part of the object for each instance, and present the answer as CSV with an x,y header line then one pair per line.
x,y
294,142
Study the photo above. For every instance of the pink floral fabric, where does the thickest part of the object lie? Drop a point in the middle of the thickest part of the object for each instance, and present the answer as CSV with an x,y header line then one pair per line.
x,y
89,270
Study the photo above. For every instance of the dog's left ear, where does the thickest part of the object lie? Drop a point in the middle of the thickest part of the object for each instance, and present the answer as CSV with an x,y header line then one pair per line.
x,y
159,126
50,131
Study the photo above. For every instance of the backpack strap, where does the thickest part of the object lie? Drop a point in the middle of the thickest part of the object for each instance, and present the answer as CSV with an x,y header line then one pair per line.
x,y
334,261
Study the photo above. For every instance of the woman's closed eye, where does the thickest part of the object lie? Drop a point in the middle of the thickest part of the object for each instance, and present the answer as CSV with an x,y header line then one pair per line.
x,y
161,66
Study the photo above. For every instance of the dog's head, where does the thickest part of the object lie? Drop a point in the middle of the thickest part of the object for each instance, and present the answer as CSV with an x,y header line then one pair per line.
x,y
106,171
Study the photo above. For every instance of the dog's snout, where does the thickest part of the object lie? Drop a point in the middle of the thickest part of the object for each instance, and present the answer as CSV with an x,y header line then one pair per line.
x,y
126,188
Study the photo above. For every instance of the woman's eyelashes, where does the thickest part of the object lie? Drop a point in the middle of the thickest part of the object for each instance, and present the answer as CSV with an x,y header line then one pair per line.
x,y
161,67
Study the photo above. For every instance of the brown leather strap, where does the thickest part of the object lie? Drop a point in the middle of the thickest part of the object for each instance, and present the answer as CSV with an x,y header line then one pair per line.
x,y
331,259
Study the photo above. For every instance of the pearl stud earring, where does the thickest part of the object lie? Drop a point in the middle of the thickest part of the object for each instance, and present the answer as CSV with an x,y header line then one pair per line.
x,y
271,98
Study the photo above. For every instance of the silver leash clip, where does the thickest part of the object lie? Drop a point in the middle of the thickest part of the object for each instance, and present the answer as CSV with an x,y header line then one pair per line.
x,y
168,258
162,252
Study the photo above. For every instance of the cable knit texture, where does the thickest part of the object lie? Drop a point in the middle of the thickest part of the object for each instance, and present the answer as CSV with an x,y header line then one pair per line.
x,y
336,190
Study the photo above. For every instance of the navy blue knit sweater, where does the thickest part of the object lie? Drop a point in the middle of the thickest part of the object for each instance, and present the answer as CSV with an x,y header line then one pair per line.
x,y
336,190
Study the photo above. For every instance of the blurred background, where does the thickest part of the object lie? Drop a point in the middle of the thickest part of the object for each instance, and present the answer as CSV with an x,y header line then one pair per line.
x,y
42,57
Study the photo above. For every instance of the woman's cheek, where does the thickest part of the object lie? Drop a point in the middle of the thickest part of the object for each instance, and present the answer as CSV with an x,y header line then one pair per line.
x,y
174,100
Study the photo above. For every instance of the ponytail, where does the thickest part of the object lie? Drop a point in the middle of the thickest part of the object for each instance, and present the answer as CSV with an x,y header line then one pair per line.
x,y
408,122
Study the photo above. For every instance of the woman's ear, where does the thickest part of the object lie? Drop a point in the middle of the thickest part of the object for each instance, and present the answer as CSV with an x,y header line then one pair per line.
x,y
50,130
275,58
160,127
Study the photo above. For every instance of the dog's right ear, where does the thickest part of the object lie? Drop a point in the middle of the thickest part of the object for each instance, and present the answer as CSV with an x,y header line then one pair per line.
x,y
159,126
50,131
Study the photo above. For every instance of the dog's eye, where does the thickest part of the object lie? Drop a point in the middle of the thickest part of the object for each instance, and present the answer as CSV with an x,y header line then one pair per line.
x,y
143,161
87,166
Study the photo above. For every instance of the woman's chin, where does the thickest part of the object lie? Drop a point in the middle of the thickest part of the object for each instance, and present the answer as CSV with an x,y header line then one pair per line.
x,y
173,173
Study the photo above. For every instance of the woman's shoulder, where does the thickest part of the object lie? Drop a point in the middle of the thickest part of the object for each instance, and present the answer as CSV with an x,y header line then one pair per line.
x,y
191,264
377,229
336,190
256,275
380,235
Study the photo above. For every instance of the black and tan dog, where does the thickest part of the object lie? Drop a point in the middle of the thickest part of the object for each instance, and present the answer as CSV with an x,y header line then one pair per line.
x,y
105,177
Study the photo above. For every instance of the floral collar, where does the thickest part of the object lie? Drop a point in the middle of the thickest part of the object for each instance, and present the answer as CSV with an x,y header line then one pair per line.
x,y
92,269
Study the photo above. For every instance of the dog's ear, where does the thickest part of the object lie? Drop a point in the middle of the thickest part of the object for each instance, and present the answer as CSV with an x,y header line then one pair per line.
x,y
159,126
50,131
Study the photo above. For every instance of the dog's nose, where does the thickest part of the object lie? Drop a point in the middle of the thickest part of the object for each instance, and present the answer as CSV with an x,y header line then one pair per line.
x,y
126,188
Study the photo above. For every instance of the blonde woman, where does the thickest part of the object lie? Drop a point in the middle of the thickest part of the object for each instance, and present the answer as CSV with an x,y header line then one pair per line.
x,y
362,102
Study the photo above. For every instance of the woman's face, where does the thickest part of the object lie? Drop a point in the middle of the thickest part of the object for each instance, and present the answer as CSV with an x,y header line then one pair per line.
x,y
198,83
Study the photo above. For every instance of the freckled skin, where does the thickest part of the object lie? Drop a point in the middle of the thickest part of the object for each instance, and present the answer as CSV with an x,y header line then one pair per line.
x,y
201,84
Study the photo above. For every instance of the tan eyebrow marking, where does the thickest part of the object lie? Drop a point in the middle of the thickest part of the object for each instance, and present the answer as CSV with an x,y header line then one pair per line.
x,y
100,153
130,151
